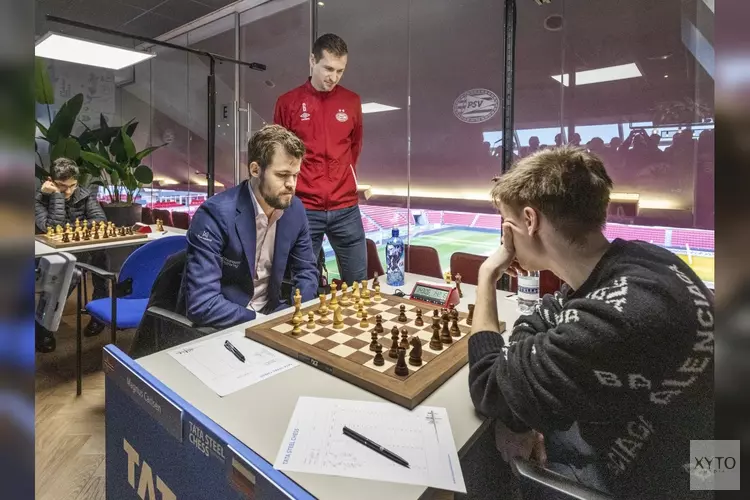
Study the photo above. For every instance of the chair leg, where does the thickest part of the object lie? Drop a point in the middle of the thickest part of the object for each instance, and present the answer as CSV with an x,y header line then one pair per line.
x,y
79,347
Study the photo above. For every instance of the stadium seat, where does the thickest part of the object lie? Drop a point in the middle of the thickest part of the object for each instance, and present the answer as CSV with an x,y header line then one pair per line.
x,y
147,217
423,260
181,220
164,215
467,265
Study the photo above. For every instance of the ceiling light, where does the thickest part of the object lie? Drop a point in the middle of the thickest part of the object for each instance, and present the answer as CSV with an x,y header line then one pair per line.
x,y
374,107
609,74
321,4
76,50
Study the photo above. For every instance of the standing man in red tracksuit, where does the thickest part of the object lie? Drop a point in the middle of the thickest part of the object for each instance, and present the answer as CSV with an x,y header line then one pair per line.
x,y
328,119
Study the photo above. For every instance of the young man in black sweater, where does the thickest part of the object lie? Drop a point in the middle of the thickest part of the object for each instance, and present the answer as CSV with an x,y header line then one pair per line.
x,y
611,377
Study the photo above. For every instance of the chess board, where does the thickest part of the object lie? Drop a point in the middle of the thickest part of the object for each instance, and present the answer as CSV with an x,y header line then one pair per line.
x,y
345,353
56,240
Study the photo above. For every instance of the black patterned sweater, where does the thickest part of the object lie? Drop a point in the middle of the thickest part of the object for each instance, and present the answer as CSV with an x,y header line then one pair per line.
x,y
628,358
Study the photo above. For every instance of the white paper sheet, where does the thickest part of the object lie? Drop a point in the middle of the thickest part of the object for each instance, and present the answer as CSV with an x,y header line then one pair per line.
x,y
220,370
314,442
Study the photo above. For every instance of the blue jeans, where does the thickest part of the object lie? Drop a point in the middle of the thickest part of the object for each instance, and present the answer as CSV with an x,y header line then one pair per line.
x,y
347,237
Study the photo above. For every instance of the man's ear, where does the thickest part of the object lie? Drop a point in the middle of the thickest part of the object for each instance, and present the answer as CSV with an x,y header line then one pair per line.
x,y
531,219
254,169
312,60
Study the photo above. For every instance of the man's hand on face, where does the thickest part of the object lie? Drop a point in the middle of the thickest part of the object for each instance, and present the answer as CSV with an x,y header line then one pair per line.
x,y
526,445
49,187
503,260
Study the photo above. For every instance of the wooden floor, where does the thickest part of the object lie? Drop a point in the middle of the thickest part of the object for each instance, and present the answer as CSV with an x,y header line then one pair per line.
x,y
70,429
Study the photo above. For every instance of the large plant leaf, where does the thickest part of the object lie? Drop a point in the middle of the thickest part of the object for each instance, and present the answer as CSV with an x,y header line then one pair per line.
x,y
103,121
62,125
43,90
142,154
143,174
66,148
114,177
117,148
96,160
41,128
131,129
127,144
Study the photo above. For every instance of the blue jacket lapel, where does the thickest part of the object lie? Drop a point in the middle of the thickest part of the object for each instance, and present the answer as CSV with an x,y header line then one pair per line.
x,y
245,223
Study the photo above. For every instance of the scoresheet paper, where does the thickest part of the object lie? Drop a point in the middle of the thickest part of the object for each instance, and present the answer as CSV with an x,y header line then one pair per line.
x,y
221,371
314,442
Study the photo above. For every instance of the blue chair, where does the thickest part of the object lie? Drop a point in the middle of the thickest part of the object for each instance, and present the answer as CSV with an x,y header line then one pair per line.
x,y
131,289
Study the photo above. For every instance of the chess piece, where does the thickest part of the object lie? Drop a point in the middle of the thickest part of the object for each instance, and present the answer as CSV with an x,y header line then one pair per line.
x,y
374,338
86,235
447,277
129,230
78,223
344,301
393,353
377,297
404,338
455,330
322,305
379,324
366,297
159,225
375,282
470,319
297,297
401,369
85,224
68,229
96,234
445,333
415,356
435,343
50,232
360,310
338,318
362,288
355,292
77,236
296,320
436,314
378,360
66,238
105,234
458,286
402,314
298,307
59,229
334,297
311,320
419,321
364,323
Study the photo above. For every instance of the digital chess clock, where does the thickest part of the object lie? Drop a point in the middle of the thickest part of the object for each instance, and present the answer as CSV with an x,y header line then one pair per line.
x,y
432,293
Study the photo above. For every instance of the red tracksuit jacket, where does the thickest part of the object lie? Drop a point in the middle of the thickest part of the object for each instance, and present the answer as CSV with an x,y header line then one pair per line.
x,y
330,125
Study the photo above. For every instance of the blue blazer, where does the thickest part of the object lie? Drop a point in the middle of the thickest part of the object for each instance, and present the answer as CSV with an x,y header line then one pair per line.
x,y
217,284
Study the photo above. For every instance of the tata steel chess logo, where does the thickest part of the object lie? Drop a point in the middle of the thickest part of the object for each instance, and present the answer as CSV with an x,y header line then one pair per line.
x,y
714,465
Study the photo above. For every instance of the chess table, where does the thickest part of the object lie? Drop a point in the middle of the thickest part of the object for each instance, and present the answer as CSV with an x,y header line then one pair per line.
x,y
345,352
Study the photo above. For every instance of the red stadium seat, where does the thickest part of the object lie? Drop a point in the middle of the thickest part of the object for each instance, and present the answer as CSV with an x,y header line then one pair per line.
x,y
147,217
181,220
467,265
164,215
373,261
423,260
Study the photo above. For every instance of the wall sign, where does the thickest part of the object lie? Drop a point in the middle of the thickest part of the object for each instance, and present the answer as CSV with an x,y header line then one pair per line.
x,y
476,105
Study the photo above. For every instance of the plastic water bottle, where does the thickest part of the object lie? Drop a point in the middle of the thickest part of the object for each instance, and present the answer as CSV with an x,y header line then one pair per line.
x,y
528,292
394,260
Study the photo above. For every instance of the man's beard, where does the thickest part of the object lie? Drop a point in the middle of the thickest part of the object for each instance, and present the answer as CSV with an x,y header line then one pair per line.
x,y
274,202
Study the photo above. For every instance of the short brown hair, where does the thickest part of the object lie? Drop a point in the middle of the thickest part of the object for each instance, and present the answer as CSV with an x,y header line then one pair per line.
x,y
567,184
64,169
262,145
334,44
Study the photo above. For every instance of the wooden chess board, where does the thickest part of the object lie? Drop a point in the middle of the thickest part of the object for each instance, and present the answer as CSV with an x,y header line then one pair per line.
x,y
345,353
56,240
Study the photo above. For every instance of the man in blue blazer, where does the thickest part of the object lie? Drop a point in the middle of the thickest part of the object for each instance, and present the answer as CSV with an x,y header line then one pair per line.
x,y
241,240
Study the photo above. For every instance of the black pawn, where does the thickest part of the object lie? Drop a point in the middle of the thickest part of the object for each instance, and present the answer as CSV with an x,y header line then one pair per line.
x,y
435,314
76,236
455,330
470,319
379,360
379,324
435,343
393,352
65,238
404,338
402,315
374,342
419,321
401,369
445,333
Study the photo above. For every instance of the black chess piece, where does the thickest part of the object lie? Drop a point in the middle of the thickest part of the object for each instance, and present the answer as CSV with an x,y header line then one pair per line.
x,y
402,314
76,236
404,338
445,333
415,356
378,360
65,238
419,321
374,338
455,330
470,319
379,323
435,314
401,369
435,342
393,352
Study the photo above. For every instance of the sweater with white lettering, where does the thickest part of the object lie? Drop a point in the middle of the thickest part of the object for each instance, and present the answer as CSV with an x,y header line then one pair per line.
x,y
627,358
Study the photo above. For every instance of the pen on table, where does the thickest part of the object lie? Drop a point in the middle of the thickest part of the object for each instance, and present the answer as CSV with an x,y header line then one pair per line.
x,y
375,446
234,351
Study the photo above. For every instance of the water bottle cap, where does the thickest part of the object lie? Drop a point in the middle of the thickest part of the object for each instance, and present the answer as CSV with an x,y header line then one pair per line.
x,y
394,232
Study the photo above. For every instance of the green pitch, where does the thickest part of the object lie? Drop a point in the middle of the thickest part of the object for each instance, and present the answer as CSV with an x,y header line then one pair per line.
x,y
446,242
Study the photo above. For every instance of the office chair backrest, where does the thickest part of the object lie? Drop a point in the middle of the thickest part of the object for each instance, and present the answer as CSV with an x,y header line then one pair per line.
x,y
143,265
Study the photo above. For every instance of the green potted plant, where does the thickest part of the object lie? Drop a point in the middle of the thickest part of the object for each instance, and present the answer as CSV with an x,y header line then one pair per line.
x,y
111,158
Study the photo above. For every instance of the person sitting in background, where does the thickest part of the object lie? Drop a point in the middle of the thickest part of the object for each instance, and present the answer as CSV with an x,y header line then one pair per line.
x,y
240,240
610,378
60,201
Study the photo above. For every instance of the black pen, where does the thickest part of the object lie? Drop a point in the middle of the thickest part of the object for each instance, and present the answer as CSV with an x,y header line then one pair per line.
x,y
375,446
234,351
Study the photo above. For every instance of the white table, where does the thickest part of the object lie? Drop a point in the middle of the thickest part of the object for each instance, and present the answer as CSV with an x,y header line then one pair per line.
x,y
43,249
258,415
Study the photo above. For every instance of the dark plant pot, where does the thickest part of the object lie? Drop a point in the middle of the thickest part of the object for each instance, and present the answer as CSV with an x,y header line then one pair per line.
x,y
123,215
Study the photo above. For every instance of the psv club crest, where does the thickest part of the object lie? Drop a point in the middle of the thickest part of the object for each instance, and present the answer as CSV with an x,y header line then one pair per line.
x,y
342,116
